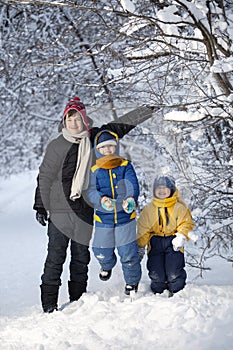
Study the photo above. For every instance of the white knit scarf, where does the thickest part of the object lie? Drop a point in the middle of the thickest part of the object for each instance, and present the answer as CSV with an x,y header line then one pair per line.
x,y
81,176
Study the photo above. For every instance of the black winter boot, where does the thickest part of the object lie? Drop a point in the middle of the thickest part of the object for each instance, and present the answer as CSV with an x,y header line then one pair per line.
x,y
104,275
170,294
49,296
76,289
131,288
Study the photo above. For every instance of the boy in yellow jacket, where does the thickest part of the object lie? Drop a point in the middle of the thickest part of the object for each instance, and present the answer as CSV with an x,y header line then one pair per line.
x,y
163,227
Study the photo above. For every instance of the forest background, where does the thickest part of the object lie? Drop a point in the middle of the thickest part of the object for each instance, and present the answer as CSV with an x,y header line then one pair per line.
x,y
174,56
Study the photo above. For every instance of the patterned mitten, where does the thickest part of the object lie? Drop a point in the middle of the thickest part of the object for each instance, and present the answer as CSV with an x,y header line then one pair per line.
x,y
129,205
107,203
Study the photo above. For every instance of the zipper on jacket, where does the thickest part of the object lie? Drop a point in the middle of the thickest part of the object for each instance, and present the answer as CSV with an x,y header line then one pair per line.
x,y
113,194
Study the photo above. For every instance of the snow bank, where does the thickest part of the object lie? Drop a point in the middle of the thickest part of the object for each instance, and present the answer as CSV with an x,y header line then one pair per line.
x,y
198,317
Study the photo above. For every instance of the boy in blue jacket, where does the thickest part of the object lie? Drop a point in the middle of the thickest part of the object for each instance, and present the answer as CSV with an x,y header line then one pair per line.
x,y
113,192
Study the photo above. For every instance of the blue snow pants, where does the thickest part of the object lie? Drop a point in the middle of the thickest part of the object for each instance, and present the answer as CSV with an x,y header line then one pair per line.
x,y
165,266
122,237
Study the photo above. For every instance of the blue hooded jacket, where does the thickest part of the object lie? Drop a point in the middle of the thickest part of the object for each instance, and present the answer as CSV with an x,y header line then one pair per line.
x,y
117,183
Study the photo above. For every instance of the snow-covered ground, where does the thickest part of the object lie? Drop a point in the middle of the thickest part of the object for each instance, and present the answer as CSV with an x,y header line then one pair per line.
x,y
199,317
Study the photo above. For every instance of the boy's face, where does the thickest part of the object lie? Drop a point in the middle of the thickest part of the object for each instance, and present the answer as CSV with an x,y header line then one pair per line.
x,y
74,124
107,149
162,192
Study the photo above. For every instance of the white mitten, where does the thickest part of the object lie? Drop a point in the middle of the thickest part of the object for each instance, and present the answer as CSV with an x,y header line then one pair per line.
x,y
193,236
178,241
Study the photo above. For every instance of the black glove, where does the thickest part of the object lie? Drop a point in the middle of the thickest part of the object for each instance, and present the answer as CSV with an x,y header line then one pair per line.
x,y
42,216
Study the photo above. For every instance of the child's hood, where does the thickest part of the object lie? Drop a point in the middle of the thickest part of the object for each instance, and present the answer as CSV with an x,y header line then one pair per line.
x,y
97,153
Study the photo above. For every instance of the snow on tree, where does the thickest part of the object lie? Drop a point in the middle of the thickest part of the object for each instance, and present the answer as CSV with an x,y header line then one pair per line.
x,y
175,55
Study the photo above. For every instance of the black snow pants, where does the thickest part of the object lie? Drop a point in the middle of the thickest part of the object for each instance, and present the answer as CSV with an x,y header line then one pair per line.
x,y
56,256
165,266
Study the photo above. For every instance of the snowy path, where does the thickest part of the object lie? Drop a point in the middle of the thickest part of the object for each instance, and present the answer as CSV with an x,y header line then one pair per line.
x,y
199,317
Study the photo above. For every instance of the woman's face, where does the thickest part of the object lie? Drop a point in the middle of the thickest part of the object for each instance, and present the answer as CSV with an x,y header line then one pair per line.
x,y
162,192
74,124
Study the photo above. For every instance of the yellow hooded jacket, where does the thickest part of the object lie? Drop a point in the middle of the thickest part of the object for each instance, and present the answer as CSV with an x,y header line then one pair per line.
x,y
163,217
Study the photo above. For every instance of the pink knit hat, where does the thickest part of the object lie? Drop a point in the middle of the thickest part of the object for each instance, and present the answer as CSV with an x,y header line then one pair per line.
x,y
76,104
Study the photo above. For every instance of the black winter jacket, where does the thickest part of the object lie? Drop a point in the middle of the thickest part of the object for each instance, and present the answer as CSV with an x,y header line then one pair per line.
x,y
56,174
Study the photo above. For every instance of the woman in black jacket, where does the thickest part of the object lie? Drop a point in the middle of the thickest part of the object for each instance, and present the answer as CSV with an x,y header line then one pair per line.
x,y
60,198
